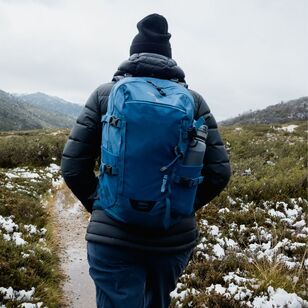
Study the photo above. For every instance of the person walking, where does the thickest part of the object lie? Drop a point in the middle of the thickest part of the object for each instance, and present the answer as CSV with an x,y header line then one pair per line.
x,y
135,259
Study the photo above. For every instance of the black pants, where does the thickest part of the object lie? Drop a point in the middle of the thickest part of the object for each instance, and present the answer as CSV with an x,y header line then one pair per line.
x,y
130,278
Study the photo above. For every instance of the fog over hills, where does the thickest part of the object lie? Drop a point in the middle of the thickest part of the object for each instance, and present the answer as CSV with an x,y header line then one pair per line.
x,y
293,110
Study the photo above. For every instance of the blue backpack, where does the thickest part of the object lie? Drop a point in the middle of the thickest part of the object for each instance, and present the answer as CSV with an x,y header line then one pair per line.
x,y
145,135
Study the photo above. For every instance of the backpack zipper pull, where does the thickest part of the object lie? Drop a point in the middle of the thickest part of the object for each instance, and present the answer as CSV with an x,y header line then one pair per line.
x,y
178,156
160,90
164,183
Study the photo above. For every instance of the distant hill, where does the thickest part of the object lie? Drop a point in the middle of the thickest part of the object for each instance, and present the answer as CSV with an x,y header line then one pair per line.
x,y
33,111
294,110
52,103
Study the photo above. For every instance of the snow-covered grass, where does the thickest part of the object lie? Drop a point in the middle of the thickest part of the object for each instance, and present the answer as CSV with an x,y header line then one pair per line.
x,y
253,237
289,128
29,268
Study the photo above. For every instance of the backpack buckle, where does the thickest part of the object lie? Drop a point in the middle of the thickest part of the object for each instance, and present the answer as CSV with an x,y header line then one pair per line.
x,y
110,170
114,121
188,182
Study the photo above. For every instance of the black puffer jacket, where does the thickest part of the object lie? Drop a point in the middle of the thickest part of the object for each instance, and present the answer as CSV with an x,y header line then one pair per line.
x,y
83,148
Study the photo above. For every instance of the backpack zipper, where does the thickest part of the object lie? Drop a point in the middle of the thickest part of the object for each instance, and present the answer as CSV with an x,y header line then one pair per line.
x,y
160,90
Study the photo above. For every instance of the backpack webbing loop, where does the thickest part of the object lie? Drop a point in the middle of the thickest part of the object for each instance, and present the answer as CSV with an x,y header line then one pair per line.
x,y
187,181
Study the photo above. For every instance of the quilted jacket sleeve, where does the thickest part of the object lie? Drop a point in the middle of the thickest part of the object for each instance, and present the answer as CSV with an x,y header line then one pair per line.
x,y
83,148
217,170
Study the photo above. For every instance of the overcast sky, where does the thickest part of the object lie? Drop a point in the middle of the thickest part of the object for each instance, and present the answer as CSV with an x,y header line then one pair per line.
x,y
239,54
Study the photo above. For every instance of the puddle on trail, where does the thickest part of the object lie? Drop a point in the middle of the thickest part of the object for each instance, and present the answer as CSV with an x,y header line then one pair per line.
x,y
71,223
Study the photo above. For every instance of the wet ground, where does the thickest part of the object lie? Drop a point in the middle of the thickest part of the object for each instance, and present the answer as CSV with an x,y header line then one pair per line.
x,y
71,222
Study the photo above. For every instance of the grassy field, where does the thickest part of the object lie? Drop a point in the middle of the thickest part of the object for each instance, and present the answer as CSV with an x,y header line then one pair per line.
x,y
29,265
253,248
253,237
37,148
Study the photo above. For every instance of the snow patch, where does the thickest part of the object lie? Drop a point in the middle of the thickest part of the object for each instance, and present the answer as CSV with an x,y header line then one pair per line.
x,y
218,251
180,295
30,305
31,229
19,241
290,128
279,298
7,224
10,293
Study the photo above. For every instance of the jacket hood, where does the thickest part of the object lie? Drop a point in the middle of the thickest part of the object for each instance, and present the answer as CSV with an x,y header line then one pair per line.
x,y
150,65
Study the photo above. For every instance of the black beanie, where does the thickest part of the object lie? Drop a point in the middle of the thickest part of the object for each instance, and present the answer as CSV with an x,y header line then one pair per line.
x,y
153,36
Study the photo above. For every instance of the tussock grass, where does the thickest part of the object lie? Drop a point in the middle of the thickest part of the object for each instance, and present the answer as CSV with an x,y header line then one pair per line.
x,y
258,222
40,268
31,148
264,211
24,193
271,273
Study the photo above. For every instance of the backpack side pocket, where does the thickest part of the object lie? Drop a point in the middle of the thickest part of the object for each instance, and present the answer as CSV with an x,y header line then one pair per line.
x,y
111,168
109,175
184,185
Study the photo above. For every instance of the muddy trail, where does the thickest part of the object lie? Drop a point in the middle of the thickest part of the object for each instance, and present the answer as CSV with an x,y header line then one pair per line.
x,y
71,221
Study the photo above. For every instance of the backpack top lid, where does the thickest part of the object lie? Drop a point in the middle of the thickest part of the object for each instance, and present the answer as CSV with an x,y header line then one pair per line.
x,y
157,90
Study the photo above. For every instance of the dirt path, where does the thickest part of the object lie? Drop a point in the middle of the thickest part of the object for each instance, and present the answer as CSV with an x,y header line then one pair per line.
x,y
71,223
